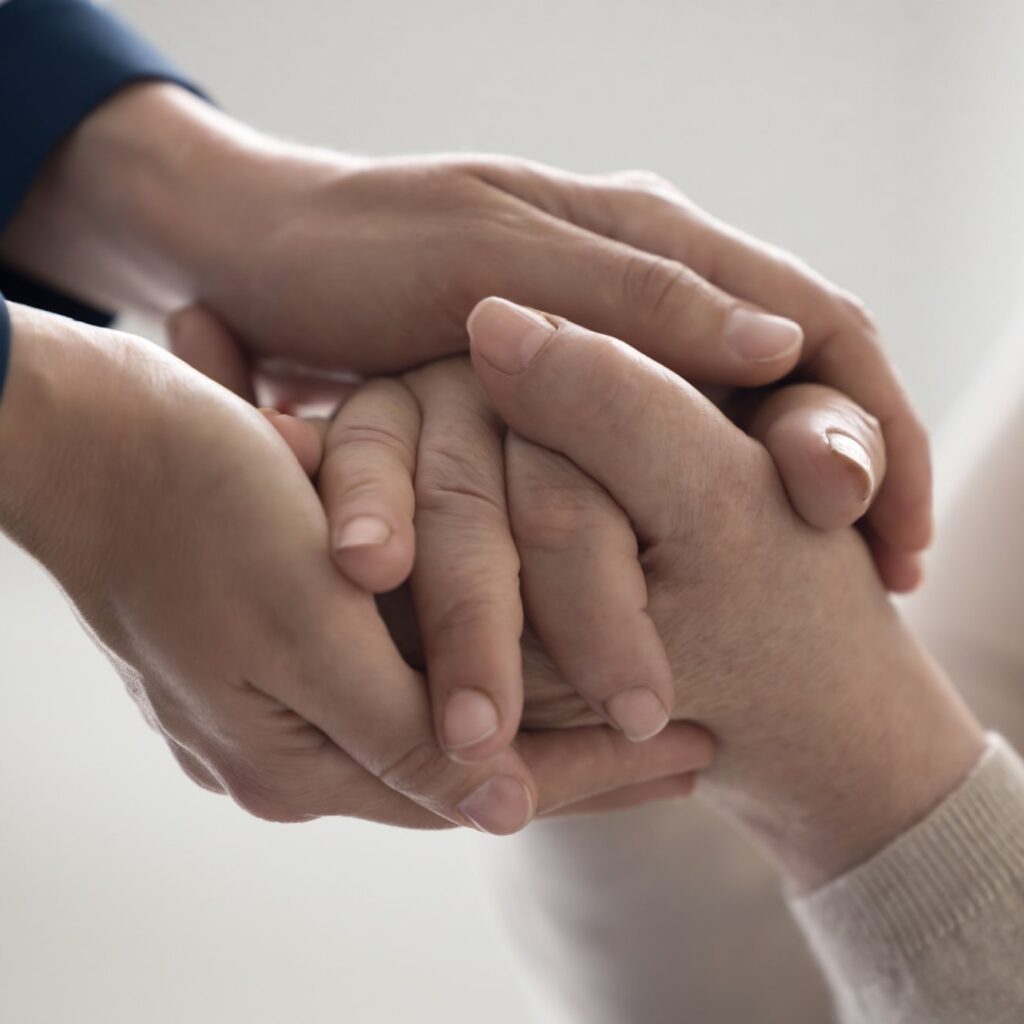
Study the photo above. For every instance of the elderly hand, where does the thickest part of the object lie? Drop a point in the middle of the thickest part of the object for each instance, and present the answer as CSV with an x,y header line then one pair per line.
x,y
834,732
372,265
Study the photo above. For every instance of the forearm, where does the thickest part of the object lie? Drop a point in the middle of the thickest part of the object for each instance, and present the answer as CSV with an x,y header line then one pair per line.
x,y
149,195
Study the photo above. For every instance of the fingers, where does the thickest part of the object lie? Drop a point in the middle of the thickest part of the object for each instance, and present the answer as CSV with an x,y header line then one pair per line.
x,y
829,452
584,590
673,787
600,402
200,339
304,437
285,785
355,688
901,571
832,460
366,485
278,766
650,298
573,765
466,581
841,344
671,314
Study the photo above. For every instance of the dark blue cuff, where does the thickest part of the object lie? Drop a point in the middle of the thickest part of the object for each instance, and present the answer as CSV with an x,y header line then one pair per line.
x,y
28,291
59,60
5,343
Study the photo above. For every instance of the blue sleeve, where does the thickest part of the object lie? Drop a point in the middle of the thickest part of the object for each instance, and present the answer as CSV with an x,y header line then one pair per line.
x,y
59,61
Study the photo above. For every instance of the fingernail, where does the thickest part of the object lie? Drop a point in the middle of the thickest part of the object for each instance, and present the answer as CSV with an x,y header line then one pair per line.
x,y
506,335
469,717
501,806
761,337
855,455
363,531
637,713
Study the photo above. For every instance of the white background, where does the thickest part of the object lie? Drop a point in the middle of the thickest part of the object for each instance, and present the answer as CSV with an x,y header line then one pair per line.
x,y
881,140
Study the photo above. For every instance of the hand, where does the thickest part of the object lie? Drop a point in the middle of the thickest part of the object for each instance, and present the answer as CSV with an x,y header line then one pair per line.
x,y
372,266
428,444
834,732
193,547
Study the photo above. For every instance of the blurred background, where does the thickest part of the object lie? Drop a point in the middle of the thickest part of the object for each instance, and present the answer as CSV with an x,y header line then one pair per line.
x,y
882,141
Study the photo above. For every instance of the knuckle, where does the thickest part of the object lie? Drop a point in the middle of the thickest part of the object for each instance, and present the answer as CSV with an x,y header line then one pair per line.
x,y
556,516
419,772
451,481
263,796
854,311
642,180
468,610
483,165
663,287
366,488
354,434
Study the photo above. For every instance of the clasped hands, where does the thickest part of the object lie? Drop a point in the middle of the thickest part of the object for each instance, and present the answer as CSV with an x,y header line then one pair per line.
x,y
583,527
659,555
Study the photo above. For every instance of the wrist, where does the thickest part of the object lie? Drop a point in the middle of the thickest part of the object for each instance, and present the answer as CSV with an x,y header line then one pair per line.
x,y
894,741
153,193
61,432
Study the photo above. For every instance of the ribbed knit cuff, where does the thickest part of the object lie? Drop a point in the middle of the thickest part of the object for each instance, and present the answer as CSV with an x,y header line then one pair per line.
x,y
942,872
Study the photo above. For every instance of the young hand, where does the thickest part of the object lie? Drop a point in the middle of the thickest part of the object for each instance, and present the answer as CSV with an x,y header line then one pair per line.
x,y
194,549
834,732
372,265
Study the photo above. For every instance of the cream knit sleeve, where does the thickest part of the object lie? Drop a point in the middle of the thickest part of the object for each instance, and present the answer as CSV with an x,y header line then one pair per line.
x,y
931,929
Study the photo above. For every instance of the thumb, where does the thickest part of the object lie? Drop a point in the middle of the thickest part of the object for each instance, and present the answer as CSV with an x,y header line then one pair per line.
x,y
636,428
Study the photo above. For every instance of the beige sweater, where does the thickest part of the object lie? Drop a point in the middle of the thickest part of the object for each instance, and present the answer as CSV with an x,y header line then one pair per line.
x,y
932,928
663,916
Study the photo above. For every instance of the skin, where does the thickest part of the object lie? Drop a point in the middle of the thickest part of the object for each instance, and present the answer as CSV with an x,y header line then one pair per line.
x,y
194,550
371,266
835,732
424,453
159,199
